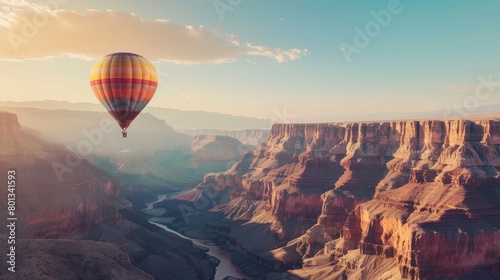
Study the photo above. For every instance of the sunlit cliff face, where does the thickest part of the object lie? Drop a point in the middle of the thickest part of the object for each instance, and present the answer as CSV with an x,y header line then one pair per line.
x,y
407,182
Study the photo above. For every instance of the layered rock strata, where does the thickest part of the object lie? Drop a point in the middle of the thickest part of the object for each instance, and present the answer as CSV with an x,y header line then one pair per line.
x,y
423,194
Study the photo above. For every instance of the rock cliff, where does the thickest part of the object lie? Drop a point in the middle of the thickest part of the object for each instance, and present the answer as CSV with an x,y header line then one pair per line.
x,y
217,148
443,222
60,196
423,195
72,259
253,137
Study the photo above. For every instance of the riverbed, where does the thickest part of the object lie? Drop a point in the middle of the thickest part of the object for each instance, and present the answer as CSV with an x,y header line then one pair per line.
x,y
225,268
159,198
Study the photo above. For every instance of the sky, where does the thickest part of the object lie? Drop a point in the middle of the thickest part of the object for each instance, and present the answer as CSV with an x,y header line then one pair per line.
x,y
291,59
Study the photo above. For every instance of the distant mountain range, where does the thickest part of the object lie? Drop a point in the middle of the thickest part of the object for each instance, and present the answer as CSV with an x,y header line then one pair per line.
x,y
450,113
176,118
153,154
77,128
186,121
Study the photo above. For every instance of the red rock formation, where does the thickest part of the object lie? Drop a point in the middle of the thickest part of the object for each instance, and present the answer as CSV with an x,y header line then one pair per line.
x,y
214,190
444,221
72,259
12,142
81,201
368,147
424,193
84,198
217,148
253,137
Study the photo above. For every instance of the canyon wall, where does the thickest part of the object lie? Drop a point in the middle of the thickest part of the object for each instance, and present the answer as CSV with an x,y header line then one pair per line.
x,y
253,137
63,200
443,222
394,190
217,148
59,194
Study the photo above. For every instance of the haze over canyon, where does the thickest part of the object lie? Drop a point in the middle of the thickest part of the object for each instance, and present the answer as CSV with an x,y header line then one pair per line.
x,y
413,199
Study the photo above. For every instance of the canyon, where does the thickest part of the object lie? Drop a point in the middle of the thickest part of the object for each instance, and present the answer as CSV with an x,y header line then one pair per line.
x,y
389,200
74,219
179,119
253,137
154,156
368,200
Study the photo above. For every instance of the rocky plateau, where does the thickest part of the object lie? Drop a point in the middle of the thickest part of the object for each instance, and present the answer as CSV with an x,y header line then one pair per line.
x,y
377,200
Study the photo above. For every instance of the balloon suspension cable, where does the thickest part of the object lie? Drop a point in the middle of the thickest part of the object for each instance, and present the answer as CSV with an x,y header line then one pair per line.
x,y
124,133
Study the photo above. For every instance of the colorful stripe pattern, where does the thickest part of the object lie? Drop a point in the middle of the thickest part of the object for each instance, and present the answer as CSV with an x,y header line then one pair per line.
x,y
124,83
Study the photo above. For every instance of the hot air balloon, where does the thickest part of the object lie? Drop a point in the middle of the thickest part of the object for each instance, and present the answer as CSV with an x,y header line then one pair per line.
x,y
124,83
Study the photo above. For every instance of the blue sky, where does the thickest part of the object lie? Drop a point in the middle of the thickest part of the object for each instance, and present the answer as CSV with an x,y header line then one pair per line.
x,y
429,56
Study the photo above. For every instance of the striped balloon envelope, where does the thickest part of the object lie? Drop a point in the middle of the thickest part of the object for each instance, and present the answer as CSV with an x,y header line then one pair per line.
x,y
124,83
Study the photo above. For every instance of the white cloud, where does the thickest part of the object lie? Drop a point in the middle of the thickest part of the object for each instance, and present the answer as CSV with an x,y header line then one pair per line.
x,y
234,39
6,18
33,33
16,5
280,55
186,96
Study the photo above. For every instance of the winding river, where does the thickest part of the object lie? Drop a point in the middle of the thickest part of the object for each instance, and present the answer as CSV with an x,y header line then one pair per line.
x,y
225,268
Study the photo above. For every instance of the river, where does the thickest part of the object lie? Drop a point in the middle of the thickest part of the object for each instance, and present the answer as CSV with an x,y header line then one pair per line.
x,y
159,198
225,268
